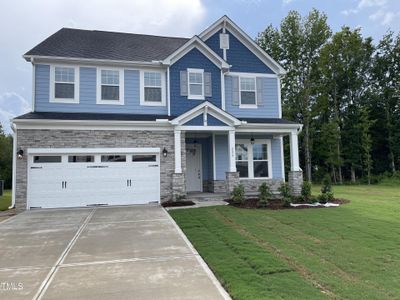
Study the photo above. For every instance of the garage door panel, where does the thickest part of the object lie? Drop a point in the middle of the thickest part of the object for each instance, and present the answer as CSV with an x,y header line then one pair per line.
x,y
80,184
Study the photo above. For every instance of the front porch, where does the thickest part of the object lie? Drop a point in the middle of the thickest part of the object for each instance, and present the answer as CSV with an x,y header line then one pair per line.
x,y
216,158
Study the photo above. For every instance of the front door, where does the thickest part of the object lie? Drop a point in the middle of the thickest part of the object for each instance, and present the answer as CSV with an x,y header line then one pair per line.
x,y
193,168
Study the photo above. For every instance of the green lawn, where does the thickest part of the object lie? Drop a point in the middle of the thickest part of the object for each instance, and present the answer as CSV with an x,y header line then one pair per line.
x,y
350,252
5,200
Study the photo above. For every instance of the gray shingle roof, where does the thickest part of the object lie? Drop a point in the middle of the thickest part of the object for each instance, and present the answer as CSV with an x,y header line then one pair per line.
x,y
94,44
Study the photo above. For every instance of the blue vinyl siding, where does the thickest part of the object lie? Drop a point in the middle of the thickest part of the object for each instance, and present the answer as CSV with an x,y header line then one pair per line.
x,y
87,94
196,60
270,102
238,55
221,156
197,121
206,148
42,85
276,156
212,121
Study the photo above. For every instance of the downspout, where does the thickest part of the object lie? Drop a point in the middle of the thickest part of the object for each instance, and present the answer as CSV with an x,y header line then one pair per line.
x,y
168,93
14,168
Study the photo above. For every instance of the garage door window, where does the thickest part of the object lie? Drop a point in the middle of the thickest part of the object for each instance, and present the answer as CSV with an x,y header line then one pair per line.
x,y
113,158
140,158
80,158
46,159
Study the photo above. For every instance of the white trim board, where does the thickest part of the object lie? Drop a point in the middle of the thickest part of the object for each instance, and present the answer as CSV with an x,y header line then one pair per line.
x,y
91,150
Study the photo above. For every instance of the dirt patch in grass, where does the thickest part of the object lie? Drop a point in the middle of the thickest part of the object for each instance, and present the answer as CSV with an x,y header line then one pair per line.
x,y
177,203
275,204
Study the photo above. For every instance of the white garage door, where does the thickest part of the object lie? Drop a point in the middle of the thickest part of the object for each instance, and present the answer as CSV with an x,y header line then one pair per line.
x,y
81,179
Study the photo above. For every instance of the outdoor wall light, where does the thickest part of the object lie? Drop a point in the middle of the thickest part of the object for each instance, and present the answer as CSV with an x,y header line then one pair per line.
x,y
20,154
165,152
252,140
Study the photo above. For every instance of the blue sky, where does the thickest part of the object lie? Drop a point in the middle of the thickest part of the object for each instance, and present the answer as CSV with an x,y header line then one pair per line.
x,y
25,23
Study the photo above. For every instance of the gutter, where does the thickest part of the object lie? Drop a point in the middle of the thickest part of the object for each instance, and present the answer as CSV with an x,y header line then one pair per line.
x,y
94,61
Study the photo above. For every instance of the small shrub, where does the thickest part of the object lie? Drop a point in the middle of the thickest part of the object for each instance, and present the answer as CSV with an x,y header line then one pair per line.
x,y
265,194
306,191
284,189
326,184
180,197
326,190
238,194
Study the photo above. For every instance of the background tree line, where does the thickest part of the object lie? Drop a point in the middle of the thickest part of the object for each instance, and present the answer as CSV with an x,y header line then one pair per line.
x,y
345,90
6,150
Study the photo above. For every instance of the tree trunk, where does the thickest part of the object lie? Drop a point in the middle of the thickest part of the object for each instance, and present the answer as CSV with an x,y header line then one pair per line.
x,y
353,174
334,174
339,159
369,176
307,153
390,138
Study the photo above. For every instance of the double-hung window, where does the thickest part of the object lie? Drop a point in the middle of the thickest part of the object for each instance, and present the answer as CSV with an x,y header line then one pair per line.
x,y
110,86
253,160
196,84
152,92
64,86
248,92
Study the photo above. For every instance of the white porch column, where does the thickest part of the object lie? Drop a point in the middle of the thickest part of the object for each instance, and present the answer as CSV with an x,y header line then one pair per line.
x,y
232,155
294,152
177,144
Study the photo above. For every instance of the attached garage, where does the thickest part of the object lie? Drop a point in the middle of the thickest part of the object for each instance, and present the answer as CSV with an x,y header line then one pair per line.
x,y
84,177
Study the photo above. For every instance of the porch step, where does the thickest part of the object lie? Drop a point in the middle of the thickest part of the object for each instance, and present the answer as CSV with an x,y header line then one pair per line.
x,y
206,196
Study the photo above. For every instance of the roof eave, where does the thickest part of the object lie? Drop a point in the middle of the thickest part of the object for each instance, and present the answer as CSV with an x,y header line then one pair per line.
x,y
42,58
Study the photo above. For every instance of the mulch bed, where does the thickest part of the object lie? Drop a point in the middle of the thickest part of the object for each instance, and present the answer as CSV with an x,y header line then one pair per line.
x,y
274,204
177,203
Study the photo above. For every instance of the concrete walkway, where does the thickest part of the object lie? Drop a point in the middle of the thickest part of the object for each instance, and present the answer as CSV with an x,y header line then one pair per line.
x,y
133,252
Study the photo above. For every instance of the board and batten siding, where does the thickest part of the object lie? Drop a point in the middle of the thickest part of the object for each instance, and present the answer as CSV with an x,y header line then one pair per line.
x,y
194,59
221,156
269,107
238,55
87,94
276,156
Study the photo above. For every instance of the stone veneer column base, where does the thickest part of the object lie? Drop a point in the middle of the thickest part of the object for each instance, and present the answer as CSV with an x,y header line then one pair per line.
x,y
178,185
295,182
232,180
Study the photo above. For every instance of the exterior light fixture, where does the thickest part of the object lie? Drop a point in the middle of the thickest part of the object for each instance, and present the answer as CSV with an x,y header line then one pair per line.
x,y
165,152
252,140
20,154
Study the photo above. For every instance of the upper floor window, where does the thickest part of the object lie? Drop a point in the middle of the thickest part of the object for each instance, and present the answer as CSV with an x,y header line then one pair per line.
x,y
110,86
64,84
195,84
247,92
152,89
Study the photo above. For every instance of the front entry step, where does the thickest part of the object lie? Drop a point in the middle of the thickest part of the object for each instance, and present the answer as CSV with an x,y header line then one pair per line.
x,y
197,196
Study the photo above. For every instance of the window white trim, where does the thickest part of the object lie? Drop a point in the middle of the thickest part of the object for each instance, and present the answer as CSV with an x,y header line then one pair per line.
x,y
240,92
163,86
121,87
250,160
53,99
195,97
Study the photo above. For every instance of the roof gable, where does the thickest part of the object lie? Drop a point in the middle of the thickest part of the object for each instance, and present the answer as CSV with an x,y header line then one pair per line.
x,y
239,34
197,43
206,108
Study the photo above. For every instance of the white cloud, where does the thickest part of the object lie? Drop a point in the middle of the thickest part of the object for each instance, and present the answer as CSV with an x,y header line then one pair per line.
x,y
286,2
371,3
11,105
383,17
364,4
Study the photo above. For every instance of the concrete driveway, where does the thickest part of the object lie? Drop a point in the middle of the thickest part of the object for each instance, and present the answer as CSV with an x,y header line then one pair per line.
x,y
133,252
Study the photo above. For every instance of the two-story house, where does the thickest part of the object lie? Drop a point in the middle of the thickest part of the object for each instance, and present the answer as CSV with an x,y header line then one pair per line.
x,y
122,118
